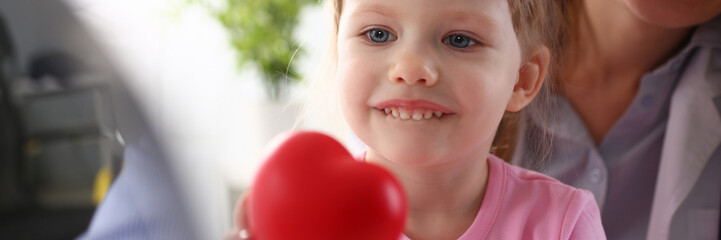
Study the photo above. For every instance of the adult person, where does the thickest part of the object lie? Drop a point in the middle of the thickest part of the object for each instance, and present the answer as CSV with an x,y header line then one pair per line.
x,y
637,116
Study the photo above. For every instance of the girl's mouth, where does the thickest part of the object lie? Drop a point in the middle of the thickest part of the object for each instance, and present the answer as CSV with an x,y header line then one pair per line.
x,y
407,113
413,109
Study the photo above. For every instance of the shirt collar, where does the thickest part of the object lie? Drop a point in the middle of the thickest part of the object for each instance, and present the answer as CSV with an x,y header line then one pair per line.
x,y
707,34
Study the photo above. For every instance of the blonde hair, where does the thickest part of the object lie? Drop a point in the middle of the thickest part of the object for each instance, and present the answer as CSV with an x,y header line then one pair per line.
x,y
536,23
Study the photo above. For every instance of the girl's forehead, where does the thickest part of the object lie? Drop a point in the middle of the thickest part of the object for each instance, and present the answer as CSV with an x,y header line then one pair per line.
x,y
435,7
492,13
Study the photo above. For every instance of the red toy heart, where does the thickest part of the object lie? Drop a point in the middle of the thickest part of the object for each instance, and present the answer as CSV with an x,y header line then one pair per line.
x,y
310,187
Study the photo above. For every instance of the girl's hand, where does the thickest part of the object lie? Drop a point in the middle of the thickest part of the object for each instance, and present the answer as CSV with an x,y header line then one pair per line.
x,y
241,227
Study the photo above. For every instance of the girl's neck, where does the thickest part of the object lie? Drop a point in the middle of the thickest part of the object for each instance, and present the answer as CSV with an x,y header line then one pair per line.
x,y
443,199
614,44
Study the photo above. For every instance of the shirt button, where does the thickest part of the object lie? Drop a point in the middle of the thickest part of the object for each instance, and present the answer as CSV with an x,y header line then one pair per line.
x,y
596,175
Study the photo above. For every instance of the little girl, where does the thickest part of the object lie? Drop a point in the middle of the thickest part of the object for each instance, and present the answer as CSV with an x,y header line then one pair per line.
x,y
425,83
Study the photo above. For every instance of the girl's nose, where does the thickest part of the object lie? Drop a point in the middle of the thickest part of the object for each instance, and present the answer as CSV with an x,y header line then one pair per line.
x,y
414,68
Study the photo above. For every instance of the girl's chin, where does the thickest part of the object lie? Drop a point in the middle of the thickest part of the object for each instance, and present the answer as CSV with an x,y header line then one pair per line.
x,y
408,156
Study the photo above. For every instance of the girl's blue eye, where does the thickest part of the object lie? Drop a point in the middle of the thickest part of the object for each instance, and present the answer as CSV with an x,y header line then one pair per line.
x,y
378,36
459,41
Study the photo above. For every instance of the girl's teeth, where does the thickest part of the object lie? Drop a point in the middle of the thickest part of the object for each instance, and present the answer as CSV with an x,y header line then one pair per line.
x,y
416,115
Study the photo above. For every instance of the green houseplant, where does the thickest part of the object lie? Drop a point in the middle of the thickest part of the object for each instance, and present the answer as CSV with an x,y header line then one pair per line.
x,y
261,34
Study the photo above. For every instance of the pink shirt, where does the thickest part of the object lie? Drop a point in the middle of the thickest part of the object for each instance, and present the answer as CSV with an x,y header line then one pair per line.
x,y
522,204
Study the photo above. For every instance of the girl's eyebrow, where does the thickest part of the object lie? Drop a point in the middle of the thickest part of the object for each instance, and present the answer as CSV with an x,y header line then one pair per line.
x,y
489,24
476,19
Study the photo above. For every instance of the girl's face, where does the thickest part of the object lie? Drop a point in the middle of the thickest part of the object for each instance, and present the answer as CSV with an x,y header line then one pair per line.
x,y
423,81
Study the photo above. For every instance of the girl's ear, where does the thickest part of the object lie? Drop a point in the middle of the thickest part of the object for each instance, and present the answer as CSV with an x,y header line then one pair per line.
x,y
530,78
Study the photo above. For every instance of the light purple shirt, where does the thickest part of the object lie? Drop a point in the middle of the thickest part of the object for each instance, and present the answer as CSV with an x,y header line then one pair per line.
x,y
622,171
